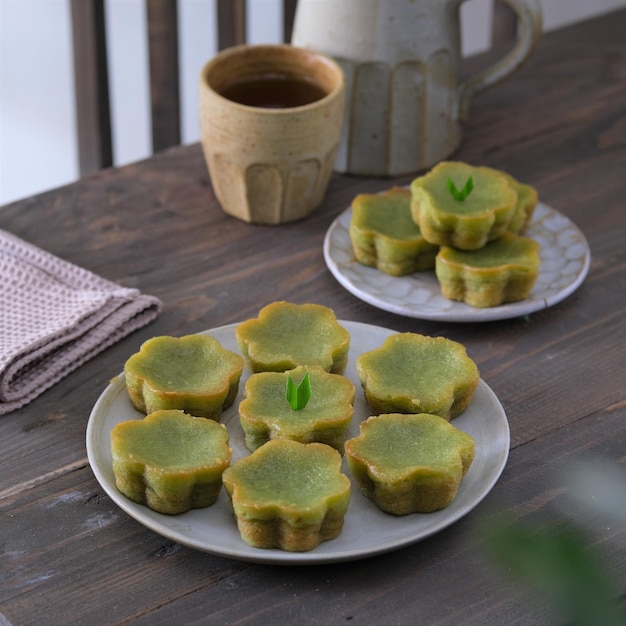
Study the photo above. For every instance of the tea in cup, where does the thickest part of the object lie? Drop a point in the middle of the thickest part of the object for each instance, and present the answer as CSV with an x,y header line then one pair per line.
x,y
270,120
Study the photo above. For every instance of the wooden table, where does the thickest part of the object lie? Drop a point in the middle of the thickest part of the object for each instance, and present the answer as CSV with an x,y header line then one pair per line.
x,y
71,556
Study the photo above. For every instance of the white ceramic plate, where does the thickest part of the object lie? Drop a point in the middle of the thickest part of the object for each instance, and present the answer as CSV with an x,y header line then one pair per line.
x,y
564,264
366,532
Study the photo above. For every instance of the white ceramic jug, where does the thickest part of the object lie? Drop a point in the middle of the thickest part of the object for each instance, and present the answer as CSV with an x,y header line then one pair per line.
x,y
405,102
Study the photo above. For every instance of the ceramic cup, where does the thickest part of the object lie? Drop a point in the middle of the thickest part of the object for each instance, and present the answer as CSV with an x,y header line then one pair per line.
x,y
270,121
406,103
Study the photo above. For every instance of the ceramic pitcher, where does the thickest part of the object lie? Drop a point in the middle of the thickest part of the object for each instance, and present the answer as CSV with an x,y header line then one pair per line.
x,y
406,104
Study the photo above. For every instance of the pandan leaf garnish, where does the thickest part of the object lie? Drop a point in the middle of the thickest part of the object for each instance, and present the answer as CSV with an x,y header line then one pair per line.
x,y
461,194
298,395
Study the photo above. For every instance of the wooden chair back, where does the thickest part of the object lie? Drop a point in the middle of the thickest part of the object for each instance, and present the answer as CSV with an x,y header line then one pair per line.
x,y
95,147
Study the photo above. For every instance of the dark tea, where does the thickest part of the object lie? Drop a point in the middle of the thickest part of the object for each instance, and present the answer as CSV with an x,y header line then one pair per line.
x,y
273,91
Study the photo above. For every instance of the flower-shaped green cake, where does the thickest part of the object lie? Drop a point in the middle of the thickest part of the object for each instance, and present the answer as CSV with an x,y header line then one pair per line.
x,y
505,270
265,412
286,335
409,463
464,222
170,461
288,495
384,235
527,200
195,374
412,373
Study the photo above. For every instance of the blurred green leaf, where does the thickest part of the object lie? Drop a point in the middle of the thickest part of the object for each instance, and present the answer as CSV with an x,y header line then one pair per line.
x,y
460,194
559,563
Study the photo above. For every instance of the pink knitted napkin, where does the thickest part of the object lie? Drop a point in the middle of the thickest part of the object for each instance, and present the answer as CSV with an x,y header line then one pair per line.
x,y
55,316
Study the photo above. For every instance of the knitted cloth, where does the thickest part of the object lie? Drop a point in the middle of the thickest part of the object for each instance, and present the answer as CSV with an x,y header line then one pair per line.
x,y
55,316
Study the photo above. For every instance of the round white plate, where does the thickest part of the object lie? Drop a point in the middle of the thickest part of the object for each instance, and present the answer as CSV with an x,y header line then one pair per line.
x,y
564,264
367,531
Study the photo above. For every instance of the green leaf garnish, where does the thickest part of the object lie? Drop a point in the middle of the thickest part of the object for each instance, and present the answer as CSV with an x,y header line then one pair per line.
x,y
461,194
298,395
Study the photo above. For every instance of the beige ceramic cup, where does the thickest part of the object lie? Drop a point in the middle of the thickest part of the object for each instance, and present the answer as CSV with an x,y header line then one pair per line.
x,y
270,165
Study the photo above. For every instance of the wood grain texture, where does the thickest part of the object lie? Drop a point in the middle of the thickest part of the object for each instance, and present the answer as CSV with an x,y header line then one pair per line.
x,y
69,555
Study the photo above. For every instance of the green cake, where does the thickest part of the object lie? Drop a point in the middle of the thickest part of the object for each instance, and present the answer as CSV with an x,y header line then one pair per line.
x,y
409,463
527,200
286,335
193,373
505,270
170,461
484,214
385,236
288,495
265,413
413,373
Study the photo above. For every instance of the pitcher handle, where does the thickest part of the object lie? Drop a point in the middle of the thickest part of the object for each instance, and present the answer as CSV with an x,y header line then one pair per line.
x,y
529,31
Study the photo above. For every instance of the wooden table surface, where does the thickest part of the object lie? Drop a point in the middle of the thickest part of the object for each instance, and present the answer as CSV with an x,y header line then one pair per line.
x,y
69,555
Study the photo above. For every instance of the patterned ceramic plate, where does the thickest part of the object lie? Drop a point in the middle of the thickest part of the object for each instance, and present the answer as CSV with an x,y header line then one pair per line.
x,y
367,530
565,262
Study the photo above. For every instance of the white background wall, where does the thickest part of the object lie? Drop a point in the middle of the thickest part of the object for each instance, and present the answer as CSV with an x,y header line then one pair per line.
x,y
37,117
